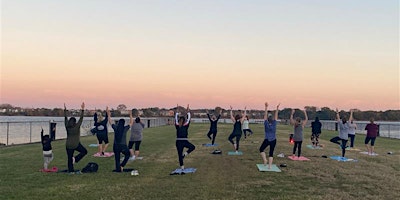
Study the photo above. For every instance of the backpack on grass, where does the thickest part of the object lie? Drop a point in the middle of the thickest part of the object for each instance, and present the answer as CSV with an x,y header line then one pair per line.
x,y
90,167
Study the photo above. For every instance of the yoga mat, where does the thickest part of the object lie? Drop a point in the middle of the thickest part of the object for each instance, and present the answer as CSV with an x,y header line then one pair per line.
x,y
312,147
353,149
106,155
301,158
93,145
66,171
233,153
366,153
343,159
264,168
54,169
125,170
210,145
183,171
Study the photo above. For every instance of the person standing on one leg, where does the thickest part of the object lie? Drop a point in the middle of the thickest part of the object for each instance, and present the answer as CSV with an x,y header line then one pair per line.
x,y
315,132
237,129
270,136
344,127
213,126
136,138
73,139
246,127
298,125
352,129
372,133
120,146
182,126
101,132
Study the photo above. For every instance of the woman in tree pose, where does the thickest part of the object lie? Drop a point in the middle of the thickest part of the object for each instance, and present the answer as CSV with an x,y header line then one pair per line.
x,y
73,143
213,126
246,127
269,135
237,129
344,127
120,146
182,126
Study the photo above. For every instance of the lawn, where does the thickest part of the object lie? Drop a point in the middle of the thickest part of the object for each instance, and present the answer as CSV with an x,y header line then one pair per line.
x,y
217,176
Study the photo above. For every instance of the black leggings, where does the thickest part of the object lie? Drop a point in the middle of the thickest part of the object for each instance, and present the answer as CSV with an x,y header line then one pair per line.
x,y
70,154
247,130
137,145
265,144
343,145
214,135
180,144
230,138
118,149
352,137
297,145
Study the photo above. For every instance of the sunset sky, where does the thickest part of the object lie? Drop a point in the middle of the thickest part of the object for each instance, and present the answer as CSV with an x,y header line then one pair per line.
x,y
335,53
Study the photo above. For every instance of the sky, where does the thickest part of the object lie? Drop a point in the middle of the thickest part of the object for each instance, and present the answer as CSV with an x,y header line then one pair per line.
x,y
339,54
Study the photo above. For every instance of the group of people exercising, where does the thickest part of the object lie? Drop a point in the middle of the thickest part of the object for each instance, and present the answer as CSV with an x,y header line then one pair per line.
x,y
182,122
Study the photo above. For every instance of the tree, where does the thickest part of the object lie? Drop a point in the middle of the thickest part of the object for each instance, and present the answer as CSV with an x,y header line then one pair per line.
x,y
121,107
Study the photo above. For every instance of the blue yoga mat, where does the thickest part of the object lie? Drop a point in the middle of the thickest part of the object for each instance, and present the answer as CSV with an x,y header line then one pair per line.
x,y
264,168
184,171
312,147
233,153
210,145
343,159
93,145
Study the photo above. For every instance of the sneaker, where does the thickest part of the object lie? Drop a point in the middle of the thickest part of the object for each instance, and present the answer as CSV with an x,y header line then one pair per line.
x,y
132,158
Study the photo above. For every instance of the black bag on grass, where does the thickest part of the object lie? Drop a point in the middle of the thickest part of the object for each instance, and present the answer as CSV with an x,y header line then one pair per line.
x,y
90,167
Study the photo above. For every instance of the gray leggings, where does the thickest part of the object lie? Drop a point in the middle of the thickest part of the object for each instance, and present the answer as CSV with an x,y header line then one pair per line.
x,y
47,157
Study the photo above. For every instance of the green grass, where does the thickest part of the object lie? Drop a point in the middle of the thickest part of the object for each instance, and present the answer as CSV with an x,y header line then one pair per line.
x,y
217,176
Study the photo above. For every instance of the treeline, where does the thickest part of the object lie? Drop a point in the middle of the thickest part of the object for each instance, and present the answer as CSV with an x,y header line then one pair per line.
x,y
324,113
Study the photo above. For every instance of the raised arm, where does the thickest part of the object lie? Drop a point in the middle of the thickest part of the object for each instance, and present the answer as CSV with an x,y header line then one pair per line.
x,y
188,115
292,122
243,115
65,115
219,114
306,117
208,115
109,116
276,111
41,134
232,118
130,119
82,112
95,118
106,119
351,115
337,115
266,111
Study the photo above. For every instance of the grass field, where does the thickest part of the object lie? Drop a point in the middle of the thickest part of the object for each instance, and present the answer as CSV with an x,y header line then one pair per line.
x,y
217,176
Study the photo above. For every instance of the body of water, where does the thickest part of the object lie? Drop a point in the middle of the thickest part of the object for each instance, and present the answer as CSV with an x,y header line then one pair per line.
x,y
22,129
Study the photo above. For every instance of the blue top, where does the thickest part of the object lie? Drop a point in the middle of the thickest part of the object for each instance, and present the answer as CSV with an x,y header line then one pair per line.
x,y
270,130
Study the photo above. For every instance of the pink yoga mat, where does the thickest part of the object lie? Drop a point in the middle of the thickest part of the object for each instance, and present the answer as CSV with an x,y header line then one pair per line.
x,y
301,158
54,169
106,154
